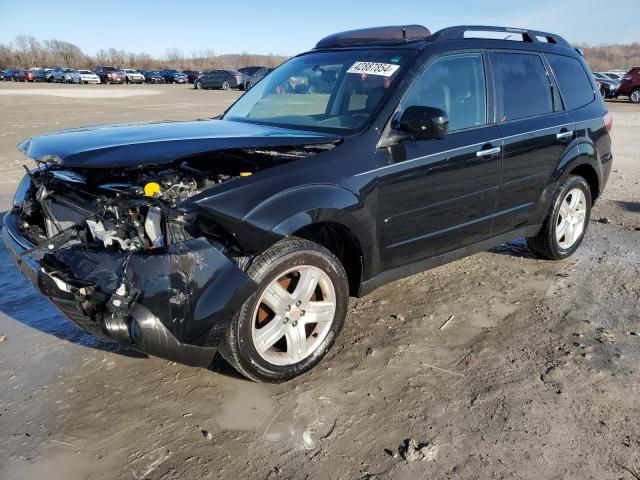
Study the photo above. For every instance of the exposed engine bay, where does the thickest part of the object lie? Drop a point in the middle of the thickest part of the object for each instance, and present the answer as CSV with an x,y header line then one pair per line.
x,y
137,209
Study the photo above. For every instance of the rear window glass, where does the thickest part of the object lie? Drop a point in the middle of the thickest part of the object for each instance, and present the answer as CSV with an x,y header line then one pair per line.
x,y
575,87
523,88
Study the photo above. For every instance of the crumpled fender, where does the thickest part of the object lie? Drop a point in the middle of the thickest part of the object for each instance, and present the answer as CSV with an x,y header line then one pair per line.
x,y
192,288
286,212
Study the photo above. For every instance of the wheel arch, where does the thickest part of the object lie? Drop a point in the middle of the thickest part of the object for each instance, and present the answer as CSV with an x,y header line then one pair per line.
x,y
582,160
329,215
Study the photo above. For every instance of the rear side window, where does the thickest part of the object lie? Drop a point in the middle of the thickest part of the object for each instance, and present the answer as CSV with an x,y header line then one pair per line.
x,y
575,87
522,87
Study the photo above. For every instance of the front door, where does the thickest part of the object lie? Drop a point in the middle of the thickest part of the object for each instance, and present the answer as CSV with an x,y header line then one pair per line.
x,y
439,195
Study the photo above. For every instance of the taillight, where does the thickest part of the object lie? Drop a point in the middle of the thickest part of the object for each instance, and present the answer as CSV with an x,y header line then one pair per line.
x,y
627,77
608,121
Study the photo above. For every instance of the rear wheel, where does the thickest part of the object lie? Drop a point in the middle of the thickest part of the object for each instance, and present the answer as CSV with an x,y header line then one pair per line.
x,y
603,92
289,324
225,85
565,226
248,85
635,96
198,85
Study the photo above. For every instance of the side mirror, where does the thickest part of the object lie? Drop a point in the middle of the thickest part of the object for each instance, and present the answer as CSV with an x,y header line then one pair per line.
x,y
424,123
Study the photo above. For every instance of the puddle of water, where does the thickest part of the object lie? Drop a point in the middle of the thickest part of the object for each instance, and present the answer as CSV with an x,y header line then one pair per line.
x,y
20,301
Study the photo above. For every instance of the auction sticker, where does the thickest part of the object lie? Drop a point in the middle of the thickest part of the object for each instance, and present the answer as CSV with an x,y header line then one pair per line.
x,y
372,68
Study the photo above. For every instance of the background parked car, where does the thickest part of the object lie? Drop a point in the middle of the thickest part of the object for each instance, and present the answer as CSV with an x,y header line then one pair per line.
x,y
62,75
608,87
2,75
630,86
132,76
615,74
109,75
84,76
24,76
43,75
9,74
173,76
152,76
223,79
256,77
248,71
192,75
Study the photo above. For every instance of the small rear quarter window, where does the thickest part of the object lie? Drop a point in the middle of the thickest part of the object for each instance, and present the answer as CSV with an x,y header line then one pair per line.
x,y
575,86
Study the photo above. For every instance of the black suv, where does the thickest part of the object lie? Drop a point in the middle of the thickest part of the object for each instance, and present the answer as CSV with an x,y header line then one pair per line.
x,y
381,153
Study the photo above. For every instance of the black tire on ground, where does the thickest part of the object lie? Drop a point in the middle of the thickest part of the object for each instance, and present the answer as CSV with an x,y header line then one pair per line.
x,y
603,92
248,85
225,85
545,244
634,97
238,347
198,85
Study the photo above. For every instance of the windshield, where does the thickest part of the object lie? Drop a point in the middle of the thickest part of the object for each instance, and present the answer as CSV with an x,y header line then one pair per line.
x,y
326,91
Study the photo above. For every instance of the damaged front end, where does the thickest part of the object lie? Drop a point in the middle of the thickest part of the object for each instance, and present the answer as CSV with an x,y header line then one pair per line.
x,y
126,255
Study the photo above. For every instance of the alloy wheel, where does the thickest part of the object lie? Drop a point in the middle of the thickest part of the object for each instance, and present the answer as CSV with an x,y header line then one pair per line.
x,y
294,315
571,218
635,96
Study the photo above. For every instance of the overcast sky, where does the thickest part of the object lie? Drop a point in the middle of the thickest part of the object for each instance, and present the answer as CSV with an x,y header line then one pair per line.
x,y
291,26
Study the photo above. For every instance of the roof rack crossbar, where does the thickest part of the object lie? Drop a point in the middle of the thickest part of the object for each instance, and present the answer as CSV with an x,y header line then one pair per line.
x,y
533,36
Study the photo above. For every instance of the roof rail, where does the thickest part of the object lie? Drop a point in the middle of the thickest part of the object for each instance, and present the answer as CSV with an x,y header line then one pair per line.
x,y
390,34
531,36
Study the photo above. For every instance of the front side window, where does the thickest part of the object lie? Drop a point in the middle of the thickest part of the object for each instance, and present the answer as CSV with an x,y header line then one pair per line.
x,y
456,85
575,86
522,86
326,91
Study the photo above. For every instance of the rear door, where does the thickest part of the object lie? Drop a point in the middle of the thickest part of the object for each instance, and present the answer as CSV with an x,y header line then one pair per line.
x,y
439,195
535,129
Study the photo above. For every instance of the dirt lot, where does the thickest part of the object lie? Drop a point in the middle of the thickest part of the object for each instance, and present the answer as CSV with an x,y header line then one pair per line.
x,y
535,374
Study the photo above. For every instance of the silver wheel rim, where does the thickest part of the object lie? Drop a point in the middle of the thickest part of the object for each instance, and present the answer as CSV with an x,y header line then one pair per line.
x,y
571,218
635,96
294,315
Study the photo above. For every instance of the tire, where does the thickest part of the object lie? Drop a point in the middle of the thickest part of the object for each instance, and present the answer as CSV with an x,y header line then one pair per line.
x,y
199,85
248,85
634,97
603,92
279,362
225,85
547,244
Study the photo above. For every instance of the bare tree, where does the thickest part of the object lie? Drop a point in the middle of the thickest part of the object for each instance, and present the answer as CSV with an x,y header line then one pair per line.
x,y
27,52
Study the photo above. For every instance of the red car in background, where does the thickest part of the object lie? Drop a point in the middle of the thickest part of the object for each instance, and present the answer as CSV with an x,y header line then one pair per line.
x,y
630,86
24,76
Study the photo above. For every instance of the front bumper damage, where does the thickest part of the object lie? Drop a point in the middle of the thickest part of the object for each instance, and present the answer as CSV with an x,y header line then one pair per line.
x,y
176,304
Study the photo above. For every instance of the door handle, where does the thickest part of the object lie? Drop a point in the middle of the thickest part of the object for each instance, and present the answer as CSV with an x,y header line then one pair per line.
x,y
488,151
564,135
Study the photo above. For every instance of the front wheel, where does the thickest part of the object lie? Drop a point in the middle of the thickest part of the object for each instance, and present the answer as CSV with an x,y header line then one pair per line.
x,y
225,85
603,92
565,226
289,324
635,96
248,85
198,85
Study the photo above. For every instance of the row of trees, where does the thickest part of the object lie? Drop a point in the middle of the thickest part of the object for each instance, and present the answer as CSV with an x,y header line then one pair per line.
x,y
27,51
612,57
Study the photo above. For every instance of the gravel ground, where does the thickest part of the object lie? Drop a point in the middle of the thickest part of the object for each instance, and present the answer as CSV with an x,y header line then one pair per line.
x,y
531,373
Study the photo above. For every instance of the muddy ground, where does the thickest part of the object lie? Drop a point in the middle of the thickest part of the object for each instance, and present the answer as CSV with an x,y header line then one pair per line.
x,y
534,375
